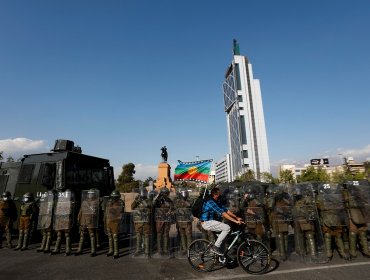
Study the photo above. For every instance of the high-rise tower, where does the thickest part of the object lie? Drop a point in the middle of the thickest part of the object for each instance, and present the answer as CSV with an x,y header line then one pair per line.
x,y
245,119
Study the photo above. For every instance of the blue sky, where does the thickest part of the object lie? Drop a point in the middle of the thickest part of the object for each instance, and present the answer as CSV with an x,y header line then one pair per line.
x,y
123,78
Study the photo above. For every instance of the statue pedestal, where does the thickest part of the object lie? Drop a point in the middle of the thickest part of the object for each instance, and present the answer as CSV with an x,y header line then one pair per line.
x,y
163,178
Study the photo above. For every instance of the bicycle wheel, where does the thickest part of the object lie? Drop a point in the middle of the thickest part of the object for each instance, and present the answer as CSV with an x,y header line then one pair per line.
x,y
254,257
200,256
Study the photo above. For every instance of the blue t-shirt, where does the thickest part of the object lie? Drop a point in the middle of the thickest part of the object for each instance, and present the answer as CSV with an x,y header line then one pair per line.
x,y
210,208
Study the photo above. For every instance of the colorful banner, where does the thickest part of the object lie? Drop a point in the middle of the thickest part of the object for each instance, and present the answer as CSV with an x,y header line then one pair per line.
x,y
193,171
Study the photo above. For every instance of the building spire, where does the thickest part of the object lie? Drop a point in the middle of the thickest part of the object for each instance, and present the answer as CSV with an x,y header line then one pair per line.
x,y
236,50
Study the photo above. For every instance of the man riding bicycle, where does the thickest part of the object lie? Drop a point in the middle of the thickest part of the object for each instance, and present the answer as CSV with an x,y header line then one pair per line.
x,y
208,220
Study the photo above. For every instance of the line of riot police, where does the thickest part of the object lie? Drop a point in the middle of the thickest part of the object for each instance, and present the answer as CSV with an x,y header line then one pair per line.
x,y
162,225
54,212
309,217
312,218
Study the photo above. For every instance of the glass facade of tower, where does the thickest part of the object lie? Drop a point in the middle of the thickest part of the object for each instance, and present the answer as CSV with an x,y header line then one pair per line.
x,y
245,120
232,109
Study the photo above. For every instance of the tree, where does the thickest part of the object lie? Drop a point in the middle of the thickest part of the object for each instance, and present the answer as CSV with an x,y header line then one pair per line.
x,y
268,178
313,174
1,155
127,174
246,177
125,181
367,169
147,180
287,177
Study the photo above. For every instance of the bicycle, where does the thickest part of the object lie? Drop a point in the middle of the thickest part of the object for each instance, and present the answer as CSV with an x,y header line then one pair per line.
x,y
252,255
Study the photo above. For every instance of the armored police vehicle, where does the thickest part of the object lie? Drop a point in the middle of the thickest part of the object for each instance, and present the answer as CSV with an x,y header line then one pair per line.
x,y
64,167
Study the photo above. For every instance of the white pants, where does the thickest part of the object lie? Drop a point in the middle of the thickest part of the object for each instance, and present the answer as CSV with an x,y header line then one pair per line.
x,y
217,226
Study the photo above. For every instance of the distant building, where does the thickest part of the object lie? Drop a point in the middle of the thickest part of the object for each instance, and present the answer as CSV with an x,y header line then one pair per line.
x,y
353,167
245,118
212,177
350,165
222,170
297,171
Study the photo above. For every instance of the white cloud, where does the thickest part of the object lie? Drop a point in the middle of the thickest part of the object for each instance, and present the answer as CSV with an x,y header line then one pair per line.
x,y
358,154
142,171
145,171
18,147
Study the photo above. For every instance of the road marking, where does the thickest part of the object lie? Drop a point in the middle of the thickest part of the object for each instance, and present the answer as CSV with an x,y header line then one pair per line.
x,y
286,271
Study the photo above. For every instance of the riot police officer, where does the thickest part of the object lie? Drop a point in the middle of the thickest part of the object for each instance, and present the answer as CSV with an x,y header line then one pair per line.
x,y
164,208
357,198
114,208
307,232
184,218
254,212
44,221
63,219
8,214
333,217
279,203
27,212
142,216
88,219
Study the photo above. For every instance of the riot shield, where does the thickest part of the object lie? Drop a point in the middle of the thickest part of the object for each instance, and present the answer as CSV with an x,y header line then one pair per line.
x,y
332,209
282,221
282,211
183,215
164,217
45,210
308,237
255,213
182,234
359,202
64,211
233,201
89,211
141,237
113,214
59,175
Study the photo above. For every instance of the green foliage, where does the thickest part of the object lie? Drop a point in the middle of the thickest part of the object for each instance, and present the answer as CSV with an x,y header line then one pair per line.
x,y
246,177
367,169
268,178
125,181
314,174
147,180
287,177
343,176
128,187
127,174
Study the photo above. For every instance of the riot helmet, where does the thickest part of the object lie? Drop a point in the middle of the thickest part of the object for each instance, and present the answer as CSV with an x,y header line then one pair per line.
x,y
143,193
27,197
115,194
6,195
236,192
152,194
297,193
70,193
271,190
184,193
165,191
248,193
92,194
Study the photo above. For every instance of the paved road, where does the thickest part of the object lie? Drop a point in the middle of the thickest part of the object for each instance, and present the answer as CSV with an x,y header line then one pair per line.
x,y
32,265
